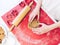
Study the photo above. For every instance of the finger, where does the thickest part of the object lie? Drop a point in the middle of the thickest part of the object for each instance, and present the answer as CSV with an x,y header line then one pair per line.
x,y
38,15
30,18
37,31
33,14
35,11
42,24
39,3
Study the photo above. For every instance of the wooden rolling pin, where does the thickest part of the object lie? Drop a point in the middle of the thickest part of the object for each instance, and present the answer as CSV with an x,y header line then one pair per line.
x,y
21,15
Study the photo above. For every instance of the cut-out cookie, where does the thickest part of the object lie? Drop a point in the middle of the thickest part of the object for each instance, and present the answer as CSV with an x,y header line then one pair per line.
x,y
33,24
2,34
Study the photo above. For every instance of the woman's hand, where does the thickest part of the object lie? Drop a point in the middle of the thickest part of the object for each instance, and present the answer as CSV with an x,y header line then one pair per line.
x,y
35,11
45,28
41,30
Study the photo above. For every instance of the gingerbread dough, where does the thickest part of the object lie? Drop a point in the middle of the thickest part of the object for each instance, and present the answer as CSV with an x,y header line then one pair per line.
x,y
33,24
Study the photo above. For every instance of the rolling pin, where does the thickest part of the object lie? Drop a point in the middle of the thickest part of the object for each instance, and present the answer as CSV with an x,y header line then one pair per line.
x,y
21,15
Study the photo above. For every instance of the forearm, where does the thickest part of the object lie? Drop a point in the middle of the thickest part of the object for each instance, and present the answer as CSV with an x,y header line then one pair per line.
x,y
50,27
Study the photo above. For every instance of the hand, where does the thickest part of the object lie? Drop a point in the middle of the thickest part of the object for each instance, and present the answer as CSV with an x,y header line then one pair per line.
x,y
41,30
45,28
35,11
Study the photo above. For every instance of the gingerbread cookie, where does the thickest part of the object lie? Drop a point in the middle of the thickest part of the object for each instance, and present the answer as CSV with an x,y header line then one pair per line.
x,y
2,34
33,24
